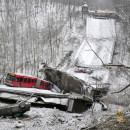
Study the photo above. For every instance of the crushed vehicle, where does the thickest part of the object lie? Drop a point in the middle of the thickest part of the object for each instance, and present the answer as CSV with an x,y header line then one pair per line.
x,y
15,110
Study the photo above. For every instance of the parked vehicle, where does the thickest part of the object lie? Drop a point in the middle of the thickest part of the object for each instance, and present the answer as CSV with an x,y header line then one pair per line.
x,y
18,80
15,110
83,70
78,70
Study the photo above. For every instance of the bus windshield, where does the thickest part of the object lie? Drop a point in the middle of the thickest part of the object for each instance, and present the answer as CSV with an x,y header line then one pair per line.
x,y
10,77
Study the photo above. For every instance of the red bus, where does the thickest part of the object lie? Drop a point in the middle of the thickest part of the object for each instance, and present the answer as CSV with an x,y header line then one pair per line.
x,y
18,80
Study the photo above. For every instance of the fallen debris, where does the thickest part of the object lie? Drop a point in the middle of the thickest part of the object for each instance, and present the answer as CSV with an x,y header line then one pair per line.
x,y
19,125
98,78
64,81
51,99
72,92
104,107
77,106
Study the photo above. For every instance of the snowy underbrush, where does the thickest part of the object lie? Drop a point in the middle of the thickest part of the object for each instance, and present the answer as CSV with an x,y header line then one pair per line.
x,y
48,119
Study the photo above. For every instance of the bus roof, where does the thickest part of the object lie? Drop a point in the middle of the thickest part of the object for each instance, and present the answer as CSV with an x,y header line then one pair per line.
x,y
26,75
21,74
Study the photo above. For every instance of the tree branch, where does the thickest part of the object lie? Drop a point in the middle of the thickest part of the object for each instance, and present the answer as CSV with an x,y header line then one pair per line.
x,y
121,89
95,52
117,65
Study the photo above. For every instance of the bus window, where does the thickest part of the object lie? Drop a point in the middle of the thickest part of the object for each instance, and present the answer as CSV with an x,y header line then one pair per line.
x,y
17,79
29,80
25,80
41,83
35,80
32,80
11,77
21,80
47,85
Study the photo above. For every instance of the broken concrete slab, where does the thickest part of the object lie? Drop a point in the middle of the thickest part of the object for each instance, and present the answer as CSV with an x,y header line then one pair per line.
x,y
77,106
68,84
49,100
97,78
64,81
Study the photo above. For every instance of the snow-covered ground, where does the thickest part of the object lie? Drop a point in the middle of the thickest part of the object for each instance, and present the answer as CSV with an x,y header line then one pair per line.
x,y
100,28
103,48
95,50
100,38
52,119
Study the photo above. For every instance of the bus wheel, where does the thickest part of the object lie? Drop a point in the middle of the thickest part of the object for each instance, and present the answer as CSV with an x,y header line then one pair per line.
x,y
32,86
19,85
